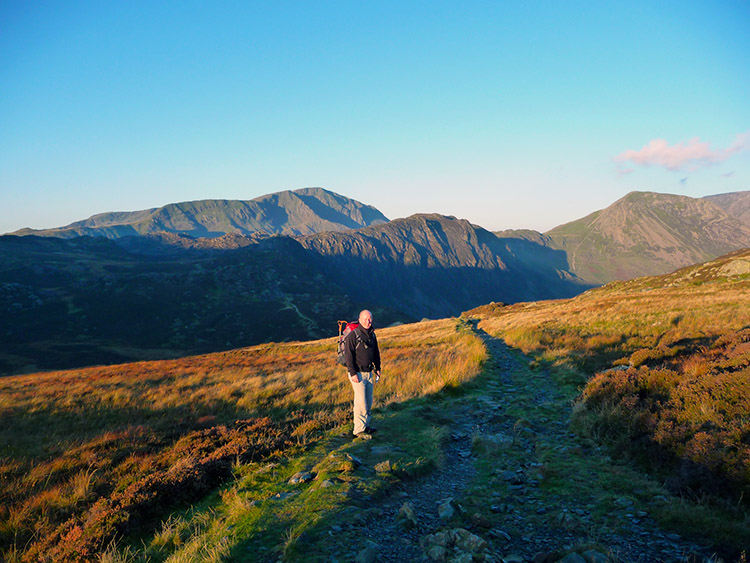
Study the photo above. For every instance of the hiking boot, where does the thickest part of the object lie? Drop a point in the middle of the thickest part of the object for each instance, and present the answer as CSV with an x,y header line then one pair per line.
x,y
364,435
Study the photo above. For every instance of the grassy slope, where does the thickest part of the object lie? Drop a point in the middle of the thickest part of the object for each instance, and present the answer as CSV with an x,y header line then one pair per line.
x,y
587,333
570,339
88,455
672,383
123,433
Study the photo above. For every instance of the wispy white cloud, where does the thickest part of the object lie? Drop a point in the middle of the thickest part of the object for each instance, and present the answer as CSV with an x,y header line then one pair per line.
x,y
691,155
728,174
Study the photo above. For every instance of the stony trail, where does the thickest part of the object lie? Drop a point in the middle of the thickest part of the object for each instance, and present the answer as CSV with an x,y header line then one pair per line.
x,y
535,524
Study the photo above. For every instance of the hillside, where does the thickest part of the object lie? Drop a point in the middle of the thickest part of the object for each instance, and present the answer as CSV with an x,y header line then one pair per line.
x,y
114,449
246,455
85,301
298,212
646,233
736,204
664,365
437,266
89,300
75,302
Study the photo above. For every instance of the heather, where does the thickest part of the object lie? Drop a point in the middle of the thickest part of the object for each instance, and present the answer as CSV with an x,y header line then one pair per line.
x,y
688,413
193,459
92,455
663,367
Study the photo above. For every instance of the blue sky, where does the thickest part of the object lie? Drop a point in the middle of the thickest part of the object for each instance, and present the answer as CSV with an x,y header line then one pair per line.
x,y
512,115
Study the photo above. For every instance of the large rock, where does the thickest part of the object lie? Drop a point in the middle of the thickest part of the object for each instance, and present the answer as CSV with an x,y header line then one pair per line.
x,y
406,516
354,459
479,519
445,509
301,477
436,552
369,554
466,541
384,466
456,545
344,463
593,556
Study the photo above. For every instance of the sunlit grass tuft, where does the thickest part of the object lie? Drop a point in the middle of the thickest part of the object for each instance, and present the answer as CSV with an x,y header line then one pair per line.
x,y
85,450
662,369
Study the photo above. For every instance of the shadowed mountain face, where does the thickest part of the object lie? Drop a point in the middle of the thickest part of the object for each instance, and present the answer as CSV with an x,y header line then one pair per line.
x,y
298,212
70,303
438,266
647,233
84,301
736,204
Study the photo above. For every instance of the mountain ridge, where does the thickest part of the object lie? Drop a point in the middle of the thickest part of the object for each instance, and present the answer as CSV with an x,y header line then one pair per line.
x,y
89,300
736,204
646,233
438,265
670,231
92,299
291,212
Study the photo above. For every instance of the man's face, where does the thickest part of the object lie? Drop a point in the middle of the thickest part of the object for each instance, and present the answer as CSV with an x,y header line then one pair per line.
x,y
365,320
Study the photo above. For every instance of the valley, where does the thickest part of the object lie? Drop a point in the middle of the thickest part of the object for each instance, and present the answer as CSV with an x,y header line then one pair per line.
x,y
87,301
212,275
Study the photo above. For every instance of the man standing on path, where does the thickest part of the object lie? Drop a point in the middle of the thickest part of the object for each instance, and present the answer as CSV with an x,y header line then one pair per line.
x,y
363,361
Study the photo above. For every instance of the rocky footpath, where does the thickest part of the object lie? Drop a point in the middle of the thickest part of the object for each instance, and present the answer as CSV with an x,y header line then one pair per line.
x,y
486,502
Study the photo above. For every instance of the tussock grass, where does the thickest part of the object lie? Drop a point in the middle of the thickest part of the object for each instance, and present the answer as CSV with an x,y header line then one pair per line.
x,y
691,412
89,454
661,370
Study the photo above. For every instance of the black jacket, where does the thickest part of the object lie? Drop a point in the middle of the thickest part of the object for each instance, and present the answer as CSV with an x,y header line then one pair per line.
x,y
361,351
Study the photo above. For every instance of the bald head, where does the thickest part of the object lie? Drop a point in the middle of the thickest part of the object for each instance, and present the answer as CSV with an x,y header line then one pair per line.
x,y
365,318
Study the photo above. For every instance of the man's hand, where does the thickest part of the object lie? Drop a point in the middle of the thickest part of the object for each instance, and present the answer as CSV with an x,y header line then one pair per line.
x,y
377,375
354,378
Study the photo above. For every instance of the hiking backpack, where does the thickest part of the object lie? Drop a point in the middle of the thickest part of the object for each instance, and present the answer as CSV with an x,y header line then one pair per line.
x,y
344,329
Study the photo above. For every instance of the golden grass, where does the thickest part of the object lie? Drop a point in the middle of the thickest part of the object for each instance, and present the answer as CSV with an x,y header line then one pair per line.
x,y
72,439
680,401
608,323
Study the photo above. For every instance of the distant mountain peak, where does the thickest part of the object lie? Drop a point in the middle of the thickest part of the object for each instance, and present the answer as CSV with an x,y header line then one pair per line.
x,y
290,212
736,204
648,233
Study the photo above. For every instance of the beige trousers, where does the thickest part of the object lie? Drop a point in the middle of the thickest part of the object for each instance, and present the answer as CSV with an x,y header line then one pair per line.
x,y
362,401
